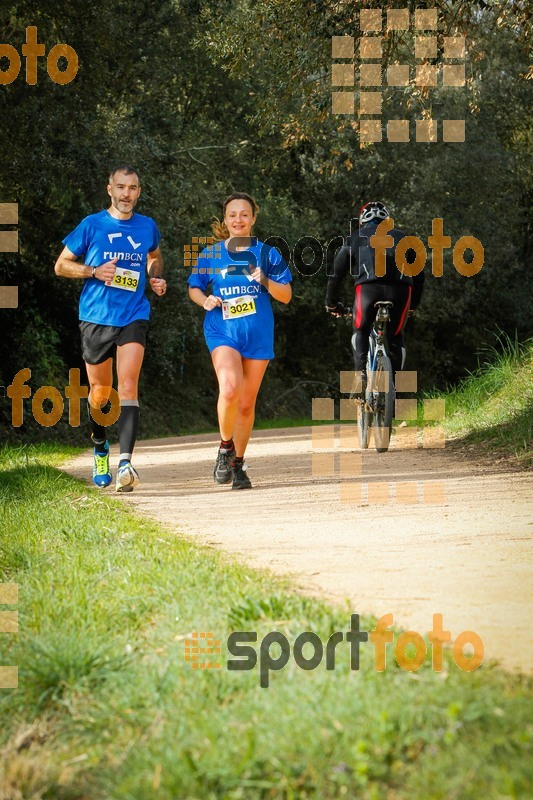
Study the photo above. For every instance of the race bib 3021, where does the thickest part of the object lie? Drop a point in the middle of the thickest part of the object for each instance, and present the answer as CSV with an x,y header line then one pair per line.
x,y
238,307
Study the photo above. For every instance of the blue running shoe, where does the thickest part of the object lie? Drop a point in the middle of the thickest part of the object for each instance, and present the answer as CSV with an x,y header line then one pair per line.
x,y
127,477
101,473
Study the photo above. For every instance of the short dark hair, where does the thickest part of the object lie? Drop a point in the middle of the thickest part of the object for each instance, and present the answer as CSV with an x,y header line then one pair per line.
x,y
127,168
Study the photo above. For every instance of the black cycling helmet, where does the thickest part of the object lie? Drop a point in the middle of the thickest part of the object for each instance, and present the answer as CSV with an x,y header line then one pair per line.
x,y
373,210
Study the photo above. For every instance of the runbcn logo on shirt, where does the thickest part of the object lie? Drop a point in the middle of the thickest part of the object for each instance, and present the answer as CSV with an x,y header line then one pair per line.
x,y
228,291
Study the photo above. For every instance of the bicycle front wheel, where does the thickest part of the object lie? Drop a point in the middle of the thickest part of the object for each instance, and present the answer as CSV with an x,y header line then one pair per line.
x,y
363,414
383,387
363,425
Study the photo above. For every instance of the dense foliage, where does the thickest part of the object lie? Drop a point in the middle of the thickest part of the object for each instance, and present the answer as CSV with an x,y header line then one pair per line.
x,y
208,97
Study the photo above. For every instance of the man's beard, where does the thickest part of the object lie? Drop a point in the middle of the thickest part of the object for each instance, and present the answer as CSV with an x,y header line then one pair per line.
x,y
130,206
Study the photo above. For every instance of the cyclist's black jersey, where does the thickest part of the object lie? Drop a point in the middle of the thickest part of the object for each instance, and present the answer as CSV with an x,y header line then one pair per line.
x,y
358,257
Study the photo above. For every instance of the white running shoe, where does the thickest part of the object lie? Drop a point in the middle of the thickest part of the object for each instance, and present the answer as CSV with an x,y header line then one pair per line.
x,y
127,478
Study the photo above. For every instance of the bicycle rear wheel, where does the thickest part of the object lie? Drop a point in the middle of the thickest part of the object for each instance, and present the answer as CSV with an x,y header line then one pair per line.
x,y
383,383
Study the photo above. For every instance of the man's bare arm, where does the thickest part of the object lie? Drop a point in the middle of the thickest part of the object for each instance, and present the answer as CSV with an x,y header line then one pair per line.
x,y
155,264
66,266
155,272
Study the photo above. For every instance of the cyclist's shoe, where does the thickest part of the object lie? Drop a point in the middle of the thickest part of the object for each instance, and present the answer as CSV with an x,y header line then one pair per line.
x,y
223,472
127,477
101,473
240,477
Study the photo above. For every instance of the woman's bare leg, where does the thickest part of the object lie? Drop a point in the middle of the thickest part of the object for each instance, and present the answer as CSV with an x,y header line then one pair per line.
x,y
253,372
228,364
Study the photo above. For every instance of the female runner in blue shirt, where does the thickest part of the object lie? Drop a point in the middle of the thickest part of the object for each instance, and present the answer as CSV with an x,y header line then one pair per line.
x,y
238,325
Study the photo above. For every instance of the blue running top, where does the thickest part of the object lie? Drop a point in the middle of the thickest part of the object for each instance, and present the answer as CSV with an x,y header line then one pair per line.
x,y
229,274
100,238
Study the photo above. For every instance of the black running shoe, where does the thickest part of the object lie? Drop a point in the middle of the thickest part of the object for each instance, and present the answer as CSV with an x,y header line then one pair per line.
x,y
223,472
240,478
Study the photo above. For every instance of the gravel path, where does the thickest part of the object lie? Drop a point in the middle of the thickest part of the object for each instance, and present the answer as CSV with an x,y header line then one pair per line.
x,y
461,547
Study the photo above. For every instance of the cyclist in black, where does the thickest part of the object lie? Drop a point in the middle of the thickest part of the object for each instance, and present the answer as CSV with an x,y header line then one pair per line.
x,y
358,257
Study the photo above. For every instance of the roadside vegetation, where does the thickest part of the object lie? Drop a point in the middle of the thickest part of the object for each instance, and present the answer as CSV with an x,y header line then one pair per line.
x,y
493,406
108,707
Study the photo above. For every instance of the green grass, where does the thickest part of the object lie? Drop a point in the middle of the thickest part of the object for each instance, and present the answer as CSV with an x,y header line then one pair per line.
x,y
494,405
107,706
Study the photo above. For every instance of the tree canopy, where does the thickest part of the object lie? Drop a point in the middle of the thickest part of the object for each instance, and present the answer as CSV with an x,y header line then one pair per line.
x,y
210,97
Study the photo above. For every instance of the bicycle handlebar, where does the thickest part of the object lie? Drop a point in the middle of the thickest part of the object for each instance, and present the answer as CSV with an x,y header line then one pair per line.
x,y
340,311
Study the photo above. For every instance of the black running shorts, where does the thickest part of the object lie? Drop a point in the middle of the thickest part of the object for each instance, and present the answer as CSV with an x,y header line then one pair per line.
x,y
98,342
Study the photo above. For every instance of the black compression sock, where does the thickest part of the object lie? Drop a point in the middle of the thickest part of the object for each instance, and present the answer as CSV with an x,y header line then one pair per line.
x,y
98,431
128,424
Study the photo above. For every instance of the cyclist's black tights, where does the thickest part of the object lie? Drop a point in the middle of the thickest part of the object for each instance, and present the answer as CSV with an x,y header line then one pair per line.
x,y
364,314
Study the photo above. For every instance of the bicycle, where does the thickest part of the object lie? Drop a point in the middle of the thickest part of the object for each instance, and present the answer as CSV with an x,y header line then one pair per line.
x,y
377,408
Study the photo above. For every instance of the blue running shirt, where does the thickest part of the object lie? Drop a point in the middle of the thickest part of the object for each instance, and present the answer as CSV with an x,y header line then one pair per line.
x,y
230,277
100,238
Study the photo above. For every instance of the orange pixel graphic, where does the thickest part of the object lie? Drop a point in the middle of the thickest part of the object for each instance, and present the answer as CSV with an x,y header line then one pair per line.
x,y
9,595
9,243
192,254
333,446
202,644
426,74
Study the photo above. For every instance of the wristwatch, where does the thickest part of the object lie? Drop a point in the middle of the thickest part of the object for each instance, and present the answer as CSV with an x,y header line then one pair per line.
x,y
94,272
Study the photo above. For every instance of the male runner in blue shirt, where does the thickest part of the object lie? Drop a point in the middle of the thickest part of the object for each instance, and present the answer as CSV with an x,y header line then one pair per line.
x,y
119,247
